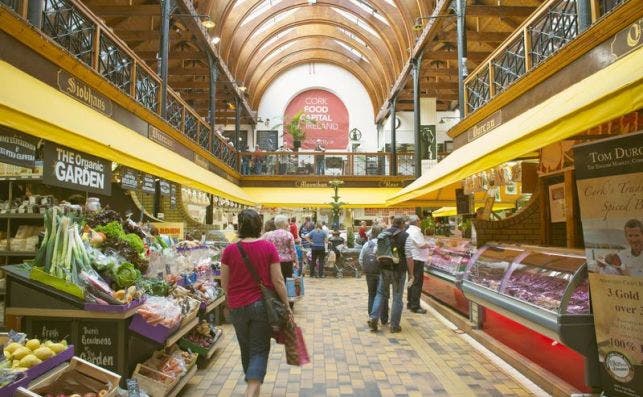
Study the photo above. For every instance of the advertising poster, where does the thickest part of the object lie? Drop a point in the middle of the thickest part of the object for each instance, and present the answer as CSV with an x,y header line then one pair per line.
x,y
71,169
329,120
609,179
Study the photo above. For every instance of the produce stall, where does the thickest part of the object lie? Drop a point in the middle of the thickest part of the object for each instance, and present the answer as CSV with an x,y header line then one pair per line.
x,y
448,256
121,296
536,301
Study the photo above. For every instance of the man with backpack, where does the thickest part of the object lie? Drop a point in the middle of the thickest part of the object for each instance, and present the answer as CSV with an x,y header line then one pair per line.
x,y
391,256
371,269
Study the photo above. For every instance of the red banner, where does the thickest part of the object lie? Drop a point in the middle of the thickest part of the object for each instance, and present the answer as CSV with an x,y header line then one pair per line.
x,y
330,117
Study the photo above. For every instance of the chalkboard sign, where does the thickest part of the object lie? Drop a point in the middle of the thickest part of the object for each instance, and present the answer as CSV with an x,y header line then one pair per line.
x,y
129,179
149,185
173,196
464,202
98,343
268,140
48,329
17,148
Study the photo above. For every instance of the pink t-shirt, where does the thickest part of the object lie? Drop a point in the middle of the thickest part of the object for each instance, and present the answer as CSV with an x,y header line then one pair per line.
x,y
242,288
285,244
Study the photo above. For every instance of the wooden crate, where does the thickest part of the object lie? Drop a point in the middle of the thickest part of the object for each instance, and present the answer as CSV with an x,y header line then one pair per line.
x,y
153,387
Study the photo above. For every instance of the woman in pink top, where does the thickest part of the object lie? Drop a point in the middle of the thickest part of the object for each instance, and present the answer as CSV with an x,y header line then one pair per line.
x,y
244,297
285,243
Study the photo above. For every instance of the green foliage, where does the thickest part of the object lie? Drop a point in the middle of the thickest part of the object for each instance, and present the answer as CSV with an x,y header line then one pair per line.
x,y
428,223
113,230
350,238
135,242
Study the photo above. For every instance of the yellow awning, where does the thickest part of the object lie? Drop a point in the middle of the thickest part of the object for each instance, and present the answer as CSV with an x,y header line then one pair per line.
x,y
319,197
31,106
452,211
609,93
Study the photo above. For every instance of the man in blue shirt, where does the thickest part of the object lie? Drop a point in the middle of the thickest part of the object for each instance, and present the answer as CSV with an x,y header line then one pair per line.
x,y
318,242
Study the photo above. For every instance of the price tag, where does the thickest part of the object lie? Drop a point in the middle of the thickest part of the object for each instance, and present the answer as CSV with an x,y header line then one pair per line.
x,y
132,388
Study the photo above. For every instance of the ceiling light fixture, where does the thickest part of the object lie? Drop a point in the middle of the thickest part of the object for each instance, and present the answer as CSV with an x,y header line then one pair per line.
x,y
215,40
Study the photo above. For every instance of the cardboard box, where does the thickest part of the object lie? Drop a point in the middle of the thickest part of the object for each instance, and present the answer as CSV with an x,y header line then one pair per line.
x,y
77,376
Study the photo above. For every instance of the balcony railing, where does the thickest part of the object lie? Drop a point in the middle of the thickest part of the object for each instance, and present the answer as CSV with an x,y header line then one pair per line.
x,y
326,164
75,28
549,29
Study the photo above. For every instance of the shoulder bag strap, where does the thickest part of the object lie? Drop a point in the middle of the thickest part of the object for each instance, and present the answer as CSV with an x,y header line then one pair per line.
x,y
249,266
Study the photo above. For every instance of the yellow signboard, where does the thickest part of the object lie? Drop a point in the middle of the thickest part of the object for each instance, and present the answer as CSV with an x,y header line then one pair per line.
x,y
170,229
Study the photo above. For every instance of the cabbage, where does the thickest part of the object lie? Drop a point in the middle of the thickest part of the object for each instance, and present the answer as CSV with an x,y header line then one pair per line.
x,y
125,275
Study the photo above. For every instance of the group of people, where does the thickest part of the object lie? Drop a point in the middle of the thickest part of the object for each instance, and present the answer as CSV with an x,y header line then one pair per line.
x,y
274,249
261,163
384,276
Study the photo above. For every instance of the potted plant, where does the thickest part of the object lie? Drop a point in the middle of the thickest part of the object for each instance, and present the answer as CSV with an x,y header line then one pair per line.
x,y
295,127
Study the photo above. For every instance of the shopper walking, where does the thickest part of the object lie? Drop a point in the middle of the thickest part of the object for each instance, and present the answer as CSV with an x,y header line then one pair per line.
x,y
306,227
318,241
244,297
285,243
319,158
294,230
393,275
371,269
417,251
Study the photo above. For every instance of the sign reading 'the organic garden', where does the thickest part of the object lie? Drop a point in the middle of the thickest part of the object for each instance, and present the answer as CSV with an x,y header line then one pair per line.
x,y
72,169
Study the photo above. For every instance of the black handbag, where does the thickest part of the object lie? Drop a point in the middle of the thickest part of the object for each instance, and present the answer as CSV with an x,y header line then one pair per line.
x,y
275,308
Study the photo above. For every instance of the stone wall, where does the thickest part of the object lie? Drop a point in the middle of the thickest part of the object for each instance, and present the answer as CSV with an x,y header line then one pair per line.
x,y
521,228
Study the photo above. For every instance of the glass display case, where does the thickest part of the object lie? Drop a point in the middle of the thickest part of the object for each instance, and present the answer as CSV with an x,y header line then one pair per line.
x,y
449,255
544,289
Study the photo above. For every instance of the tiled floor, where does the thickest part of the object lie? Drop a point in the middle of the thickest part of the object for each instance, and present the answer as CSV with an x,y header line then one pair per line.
x,y
425,359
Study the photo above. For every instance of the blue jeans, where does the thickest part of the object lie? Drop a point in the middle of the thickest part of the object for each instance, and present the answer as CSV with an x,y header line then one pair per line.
x,y
253,333
372,281
388,278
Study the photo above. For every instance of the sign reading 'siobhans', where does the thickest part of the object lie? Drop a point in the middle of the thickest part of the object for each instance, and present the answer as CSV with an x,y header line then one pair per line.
x,y
326,119
76,170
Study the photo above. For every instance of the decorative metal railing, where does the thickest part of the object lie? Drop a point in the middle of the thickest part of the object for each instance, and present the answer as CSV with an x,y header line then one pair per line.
x,y
75,28
324,164
549,29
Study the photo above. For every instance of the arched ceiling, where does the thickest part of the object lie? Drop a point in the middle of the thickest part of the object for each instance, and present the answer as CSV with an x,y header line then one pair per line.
x,y
262,39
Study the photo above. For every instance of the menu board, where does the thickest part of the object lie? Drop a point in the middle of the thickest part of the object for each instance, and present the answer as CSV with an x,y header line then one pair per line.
x,y
173,196
98,343
129,179
268,140
149,184
17,148
165,188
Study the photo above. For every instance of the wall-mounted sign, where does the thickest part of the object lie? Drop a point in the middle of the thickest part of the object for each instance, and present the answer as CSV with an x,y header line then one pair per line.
x,y
72,169
82,92
627,40
164,139
485,126
267,140
170,229
17,148
165,188
609,180
129,179
149,184
328,115
429,142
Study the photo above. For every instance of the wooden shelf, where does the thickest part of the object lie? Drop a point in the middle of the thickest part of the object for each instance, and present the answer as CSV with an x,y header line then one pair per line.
x,y
214,346
17,253
21,216
184,381
181,332
217,302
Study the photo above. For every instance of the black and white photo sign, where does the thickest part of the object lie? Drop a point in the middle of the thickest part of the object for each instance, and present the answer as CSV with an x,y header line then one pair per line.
x,y
72,169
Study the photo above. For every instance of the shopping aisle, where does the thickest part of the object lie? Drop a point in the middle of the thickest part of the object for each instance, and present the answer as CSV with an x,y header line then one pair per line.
x,y
425,359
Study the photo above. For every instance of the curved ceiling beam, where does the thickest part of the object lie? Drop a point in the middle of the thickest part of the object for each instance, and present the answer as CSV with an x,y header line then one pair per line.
x,y
248,66
304,44
247,36
309,56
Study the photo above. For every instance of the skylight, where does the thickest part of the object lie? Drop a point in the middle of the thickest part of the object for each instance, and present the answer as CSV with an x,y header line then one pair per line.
x,y
352,36
274,38
351,50
278,50
391,2
273,21
357,21
264,6
368,8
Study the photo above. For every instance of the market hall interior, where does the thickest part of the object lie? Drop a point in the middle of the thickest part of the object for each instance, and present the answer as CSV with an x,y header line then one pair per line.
x,y
505,135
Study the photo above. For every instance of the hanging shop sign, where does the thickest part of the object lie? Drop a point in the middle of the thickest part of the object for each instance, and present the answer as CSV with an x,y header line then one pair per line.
x,y
609,179
98,343
164,139
326,119
17,148
485,126
149,184
82,92
173,196
164,187
72,169
129,179
170,229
